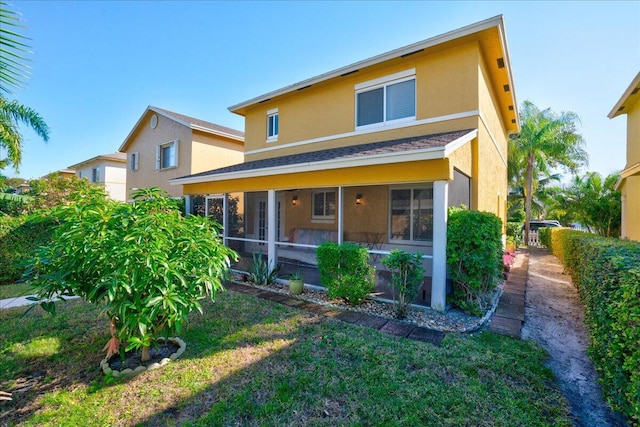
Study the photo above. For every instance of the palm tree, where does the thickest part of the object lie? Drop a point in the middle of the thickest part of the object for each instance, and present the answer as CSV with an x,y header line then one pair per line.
x,y
13,73
546,141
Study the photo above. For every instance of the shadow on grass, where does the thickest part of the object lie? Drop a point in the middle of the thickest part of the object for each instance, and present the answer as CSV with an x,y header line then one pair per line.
x,y
255,362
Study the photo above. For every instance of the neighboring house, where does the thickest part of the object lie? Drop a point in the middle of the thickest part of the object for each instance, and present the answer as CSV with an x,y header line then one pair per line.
x,y
107,170
629,183
64,173
374,153
164,145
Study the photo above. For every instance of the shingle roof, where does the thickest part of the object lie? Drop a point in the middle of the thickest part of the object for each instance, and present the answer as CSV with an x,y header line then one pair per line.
x,y
118,156
200,123
404,145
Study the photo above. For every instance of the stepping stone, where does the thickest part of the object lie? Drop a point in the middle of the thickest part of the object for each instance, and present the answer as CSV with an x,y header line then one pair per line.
x,y
505,326
427,335
399,329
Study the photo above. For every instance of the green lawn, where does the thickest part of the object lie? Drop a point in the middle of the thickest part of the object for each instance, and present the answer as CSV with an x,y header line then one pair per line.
x,y
257,363
15,290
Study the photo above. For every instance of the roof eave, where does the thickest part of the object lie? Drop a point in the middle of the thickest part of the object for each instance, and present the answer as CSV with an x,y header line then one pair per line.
x,y
616,111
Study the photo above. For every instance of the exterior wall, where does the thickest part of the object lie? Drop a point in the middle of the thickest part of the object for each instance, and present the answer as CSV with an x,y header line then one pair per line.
x,y
633,136
144,141
115,180
631,208
209,152
328,109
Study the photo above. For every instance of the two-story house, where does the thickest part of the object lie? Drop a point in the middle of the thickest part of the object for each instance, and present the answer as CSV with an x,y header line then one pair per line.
x,y
374,152
164,145
107,170
629,183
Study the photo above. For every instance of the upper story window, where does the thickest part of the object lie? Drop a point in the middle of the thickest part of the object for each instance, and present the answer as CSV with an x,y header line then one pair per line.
x,y
386,99
95,175
167,155
134,161
272,125
324,205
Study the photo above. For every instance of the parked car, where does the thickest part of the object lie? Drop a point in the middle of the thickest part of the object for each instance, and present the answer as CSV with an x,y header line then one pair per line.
x,y
535,224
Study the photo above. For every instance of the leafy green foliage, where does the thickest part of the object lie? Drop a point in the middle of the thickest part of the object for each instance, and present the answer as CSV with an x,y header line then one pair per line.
x,y
407,277
607,274
148,264
345,271
261,273
474,256
514,230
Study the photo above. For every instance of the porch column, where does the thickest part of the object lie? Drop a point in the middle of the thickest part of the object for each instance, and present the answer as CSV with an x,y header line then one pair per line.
x,y
188,205
272,225
225,217
340,215
439,275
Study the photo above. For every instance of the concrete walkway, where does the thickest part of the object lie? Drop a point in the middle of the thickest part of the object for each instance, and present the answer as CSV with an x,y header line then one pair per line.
x,y
509,315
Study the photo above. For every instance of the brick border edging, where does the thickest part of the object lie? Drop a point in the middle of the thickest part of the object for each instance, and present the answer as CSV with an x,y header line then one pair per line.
x,y
508,317
387,326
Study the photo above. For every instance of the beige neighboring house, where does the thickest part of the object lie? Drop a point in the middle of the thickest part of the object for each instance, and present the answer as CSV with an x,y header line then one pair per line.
x,y
108,170
164,145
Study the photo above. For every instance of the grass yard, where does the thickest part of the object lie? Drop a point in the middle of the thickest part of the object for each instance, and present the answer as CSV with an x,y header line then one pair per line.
x,y
252,362
15,290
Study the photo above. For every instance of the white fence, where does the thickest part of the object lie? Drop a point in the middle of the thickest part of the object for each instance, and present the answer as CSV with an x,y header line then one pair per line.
x,y
533,239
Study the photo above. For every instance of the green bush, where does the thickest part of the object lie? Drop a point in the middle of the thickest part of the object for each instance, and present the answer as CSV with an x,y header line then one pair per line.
x,y
19,236
345,271
514,230
606,272
474,257
261,272
144,261
407,277
544,236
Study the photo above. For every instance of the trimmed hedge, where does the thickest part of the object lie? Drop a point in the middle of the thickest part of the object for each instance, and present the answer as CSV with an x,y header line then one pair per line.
x,y
345,271
606,272
19,236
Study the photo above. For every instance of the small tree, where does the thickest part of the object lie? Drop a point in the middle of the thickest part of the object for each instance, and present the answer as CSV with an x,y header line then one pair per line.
x,y
407,277
144,261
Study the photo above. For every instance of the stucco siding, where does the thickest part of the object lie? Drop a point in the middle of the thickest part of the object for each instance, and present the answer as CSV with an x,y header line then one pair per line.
x,y
631,208
327,110
144,141
209,152
633,136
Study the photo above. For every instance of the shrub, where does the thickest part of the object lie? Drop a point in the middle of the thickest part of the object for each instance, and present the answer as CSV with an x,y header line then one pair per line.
x,y
474,256
146,263
345,271
544,236
19,236
514,230
606,272
407,277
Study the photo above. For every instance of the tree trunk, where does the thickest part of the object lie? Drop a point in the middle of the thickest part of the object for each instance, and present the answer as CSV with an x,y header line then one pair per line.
x,y
528,195
145,354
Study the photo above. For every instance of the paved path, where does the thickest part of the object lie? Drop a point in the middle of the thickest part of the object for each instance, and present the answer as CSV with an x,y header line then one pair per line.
x,y
554,318
509,315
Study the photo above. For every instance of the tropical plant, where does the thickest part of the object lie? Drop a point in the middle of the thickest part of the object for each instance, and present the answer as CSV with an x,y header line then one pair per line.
x,y
406,278
261,272
146,263
14,72
546,141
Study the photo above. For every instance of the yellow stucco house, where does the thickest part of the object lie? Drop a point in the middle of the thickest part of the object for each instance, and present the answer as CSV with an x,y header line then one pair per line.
x,y
107,170
164,145
629,183
374,153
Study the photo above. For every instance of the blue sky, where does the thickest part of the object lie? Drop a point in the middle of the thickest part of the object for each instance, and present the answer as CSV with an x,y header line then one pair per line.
x,y
98,65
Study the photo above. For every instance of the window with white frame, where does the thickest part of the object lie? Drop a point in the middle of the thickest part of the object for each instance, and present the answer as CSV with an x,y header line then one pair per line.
x,y
387,99
167,155
411,213
95,175
134,161
324,205
272,125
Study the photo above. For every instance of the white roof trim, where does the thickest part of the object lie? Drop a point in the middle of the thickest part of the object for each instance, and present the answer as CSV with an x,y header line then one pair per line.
x,y
103,157
375,159
624,97
496,21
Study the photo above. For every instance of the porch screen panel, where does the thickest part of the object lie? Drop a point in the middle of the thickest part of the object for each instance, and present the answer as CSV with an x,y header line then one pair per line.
x,y
400,214
422,213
